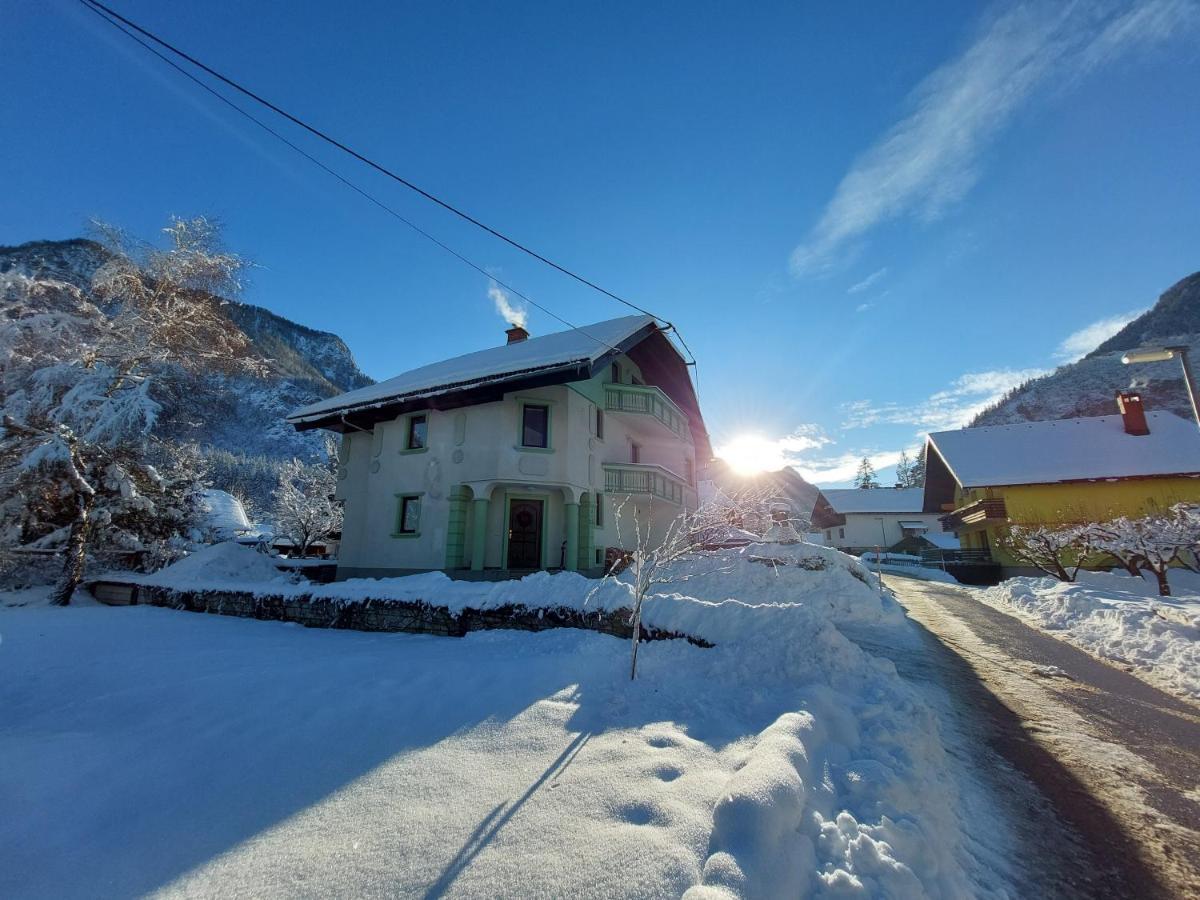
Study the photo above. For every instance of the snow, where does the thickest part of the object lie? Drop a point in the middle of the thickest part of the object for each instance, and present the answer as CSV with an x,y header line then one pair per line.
x,y
1069,449
228,566
876,500
562,349
225,513
943,540
1116,617
204,755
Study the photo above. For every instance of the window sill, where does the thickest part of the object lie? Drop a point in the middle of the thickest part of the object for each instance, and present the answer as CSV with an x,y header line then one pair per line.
x,y
409,450
518,447
406,534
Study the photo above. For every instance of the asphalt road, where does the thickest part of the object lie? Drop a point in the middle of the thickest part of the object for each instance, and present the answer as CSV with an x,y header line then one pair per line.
x,y
1116,760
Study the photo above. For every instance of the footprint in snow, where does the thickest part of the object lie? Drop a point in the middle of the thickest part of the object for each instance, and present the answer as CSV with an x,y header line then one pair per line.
x,y
667,773
640,814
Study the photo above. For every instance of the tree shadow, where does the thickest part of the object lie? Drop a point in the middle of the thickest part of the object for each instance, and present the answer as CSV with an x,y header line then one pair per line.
x,y
498,817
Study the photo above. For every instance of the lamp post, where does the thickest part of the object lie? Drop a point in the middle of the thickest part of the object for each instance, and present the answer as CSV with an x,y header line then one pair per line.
x,y
1162,354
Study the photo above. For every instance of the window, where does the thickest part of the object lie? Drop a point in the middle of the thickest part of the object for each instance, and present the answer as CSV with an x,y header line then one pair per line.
x,y
689,471
616,374
600,424
599,510
418,430
408,514
535,426
635,453
842,533
829,534
599,557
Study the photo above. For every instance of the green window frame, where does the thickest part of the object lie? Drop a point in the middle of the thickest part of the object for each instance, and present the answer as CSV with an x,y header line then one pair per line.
x,y
599,510
408,516
416,435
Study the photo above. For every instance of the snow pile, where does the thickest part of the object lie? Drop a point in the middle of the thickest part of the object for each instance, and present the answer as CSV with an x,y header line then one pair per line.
x,y
1116,617
784,761
224,566
905,564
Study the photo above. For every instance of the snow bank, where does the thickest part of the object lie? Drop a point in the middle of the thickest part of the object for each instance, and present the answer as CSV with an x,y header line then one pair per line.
x,y
1116,617
228,566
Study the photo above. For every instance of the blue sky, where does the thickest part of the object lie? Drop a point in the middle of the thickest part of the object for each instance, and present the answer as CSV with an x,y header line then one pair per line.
x,y
865,223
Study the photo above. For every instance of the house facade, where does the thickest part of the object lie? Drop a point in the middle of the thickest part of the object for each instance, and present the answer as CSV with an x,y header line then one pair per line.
x,y
544,453
983,480
877,517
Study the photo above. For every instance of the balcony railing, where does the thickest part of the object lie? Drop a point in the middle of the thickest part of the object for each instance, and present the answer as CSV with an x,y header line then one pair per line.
x,y
645,400
634,478
977,515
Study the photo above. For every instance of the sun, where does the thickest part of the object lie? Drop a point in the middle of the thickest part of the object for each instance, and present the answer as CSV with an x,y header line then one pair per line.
x,y
749,454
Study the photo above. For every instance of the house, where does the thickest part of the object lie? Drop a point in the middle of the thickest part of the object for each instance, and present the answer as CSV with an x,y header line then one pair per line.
x,y
982,480
543,453
877,517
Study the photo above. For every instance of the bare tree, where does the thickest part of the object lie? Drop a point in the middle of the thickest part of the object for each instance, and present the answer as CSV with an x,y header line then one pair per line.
x,y
657,551
1058,551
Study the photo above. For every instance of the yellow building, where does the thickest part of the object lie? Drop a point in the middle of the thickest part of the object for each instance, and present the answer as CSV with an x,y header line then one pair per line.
x,y
1070,470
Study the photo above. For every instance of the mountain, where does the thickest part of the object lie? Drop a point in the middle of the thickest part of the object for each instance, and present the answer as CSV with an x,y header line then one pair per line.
x,y
1088,387
238,421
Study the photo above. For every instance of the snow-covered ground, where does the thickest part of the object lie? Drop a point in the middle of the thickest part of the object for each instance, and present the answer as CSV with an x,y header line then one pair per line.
x,y
148,750
1117,617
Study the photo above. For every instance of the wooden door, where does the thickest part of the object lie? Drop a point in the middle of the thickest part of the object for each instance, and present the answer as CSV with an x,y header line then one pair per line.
x,y
525,534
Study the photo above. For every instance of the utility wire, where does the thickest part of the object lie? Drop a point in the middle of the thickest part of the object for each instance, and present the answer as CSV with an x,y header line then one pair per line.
x,y
378,167
354,187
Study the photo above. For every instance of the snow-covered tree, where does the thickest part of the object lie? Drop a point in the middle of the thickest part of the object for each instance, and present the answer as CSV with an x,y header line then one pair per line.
x,y
77,463
1059,551
1151,543
304,509
865,477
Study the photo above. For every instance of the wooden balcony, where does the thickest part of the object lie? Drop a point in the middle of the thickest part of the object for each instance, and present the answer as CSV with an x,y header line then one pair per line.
x,y
976,516
636,478
646,400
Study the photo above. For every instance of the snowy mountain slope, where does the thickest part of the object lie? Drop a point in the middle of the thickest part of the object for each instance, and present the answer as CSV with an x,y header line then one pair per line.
x,y
1087,387
243,415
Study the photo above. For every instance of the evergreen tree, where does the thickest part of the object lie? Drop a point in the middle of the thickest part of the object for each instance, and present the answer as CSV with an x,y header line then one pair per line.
x,y
916,472
866,477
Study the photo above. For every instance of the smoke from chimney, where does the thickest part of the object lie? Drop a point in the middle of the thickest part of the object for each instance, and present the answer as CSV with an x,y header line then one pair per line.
x,y
514,314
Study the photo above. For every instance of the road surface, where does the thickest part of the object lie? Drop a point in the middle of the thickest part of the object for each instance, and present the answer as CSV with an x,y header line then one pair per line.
x,y
1116,760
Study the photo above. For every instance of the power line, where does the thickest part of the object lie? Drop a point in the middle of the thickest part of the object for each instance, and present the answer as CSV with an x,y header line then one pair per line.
x,y
378,167
347,182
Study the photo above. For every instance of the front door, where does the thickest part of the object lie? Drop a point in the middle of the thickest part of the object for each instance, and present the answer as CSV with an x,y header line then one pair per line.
x,y
525,534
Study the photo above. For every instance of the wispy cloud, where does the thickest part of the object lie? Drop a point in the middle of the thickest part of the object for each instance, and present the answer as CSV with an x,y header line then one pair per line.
x,y
512,313
1085,340
842,468
863,307
867,282
952,407
930,159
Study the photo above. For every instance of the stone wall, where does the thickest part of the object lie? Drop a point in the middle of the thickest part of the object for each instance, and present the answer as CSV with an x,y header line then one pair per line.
x,y
416,617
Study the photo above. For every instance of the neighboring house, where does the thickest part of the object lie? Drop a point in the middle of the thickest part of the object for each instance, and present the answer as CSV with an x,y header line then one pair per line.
x,y
540,454
981,480
877,517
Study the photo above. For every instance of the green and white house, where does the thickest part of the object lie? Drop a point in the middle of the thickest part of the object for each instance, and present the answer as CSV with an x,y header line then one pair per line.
x,y
518,457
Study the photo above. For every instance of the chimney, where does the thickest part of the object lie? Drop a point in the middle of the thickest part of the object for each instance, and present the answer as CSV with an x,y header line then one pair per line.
x,y
1132,412
516,334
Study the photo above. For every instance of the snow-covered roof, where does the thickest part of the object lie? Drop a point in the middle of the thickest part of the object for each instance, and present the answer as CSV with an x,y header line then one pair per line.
x,y
943,540
876,500
561,350
1069,450
224,513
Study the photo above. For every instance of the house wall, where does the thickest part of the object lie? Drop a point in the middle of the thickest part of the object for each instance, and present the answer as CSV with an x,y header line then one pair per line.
x,y
863,529
1092,501
474,453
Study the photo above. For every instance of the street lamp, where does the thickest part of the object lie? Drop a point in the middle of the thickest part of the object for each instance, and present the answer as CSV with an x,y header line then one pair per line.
x,y
1162,354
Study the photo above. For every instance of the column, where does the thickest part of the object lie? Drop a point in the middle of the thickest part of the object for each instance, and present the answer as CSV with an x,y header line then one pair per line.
x,y
587,534
456,529
571,521
479,534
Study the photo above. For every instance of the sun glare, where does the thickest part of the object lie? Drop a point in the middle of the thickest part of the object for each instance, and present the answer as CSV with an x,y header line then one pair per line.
x,y
749,454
